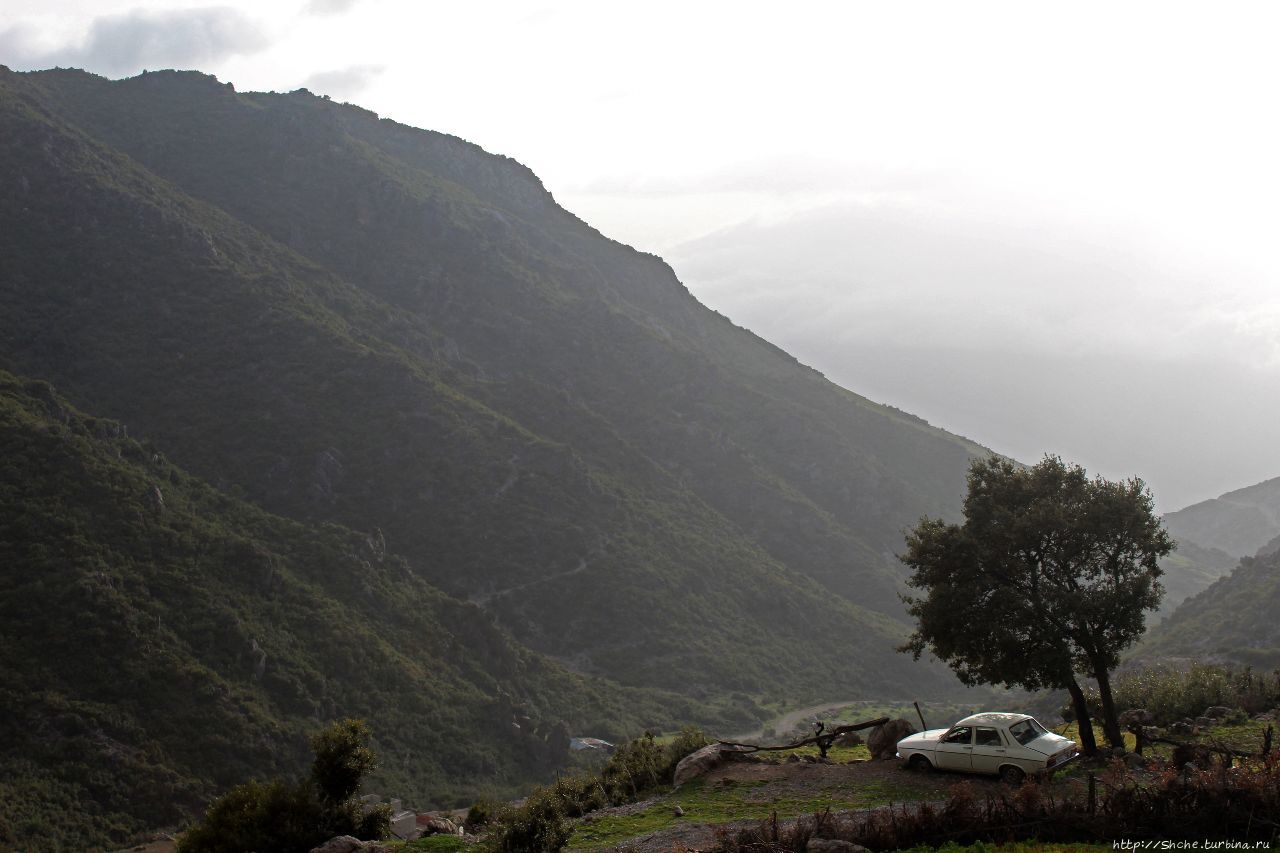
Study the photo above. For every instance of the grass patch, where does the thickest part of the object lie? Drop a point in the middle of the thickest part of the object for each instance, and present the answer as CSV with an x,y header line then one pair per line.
x,y
705,803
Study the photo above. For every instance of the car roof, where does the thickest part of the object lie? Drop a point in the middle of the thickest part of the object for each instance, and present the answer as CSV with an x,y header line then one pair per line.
x,y
991,718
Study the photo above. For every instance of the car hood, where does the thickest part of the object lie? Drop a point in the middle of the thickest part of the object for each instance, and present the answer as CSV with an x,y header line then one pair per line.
x,y
1050,744
927,738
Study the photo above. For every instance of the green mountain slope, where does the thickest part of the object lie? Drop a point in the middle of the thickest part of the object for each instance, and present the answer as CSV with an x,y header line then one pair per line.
x,y
161,641
1188,571
1232,621
358,322
1239,522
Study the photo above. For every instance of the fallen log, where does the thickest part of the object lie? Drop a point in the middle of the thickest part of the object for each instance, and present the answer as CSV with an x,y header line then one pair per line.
x,y
822,740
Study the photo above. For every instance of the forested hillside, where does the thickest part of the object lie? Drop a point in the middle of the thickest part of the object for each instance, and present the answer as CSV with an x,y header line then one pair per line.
x,y
392,375
1233,621
161,641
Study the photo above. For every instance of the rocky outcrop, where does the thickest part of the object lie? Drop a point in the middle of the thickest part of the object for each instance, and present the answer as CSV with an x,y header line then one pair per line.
x,y
705,760
883,740
348,844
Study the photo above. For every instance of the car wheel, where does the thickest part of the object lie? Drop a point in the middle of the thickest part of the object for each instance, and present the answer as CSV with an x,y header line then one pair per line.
x,y
919,763
1011,775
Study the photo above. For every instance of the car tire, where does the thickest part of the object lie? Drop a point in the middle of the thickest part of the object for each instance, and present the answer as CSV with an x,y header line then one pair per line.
x,y
1011,775
920,764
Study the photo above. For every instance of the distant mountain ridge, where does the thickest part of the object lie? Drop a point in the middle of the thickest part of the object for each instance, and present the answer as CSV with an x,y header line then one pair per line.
x,y
1239,522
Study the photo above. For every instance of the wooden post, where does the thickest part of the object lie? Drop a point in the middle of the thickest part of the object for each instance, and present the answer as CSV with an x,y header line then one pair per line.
x,y
924,727
1093,793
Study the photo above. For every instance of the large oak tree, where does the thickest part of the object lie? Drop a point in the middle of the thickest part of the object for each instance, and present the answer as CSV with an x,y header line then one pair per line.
x,y
1050,575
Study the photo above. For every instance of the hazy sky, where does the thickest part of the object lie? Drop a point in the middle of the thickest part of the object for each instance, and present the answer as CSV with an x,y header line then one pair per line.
x,y
1048,227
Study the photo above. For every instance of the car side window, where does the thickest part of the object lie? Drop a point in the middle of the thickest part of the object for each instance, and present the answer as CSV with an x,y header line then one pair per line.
x,y
961,735
987,737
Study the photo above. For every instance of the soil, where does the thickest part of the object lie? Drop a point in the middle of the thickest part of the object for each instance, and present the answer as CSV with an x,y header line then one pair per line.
x,y
795,781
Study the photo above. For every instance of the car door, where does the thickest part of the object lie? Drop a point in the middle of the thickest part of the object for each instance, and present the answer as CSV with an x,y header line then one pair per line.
x,y
955,749
990,750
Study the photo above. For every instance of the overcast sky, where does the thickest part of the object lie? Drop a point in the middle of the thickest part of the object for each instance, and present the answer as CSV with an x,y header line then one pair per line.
x,y
1047,227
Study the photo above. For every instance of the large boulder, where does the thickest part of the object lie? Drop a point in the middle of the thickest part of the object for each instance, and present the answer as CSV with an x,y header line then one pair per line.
x,y
1136,718
883,740
348,844
703,761
832,845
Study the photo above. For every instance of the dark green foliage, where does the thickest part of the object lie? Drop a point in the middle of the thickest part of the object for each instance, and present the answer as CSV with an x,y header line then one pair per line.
x,y
356,322
289,817
342,759
161,641
1059,569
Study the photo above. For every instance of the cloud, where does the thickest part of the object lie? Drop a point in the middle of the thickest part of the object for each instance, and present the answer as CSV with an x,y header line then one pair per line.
x,y
329,7
782,175
1029,332
128,42
343,82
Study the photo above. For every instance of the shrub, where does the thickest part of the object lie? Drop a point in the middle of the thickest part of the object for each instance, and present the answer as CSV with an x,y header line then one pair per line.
x,y
1172,694
283,816
635,768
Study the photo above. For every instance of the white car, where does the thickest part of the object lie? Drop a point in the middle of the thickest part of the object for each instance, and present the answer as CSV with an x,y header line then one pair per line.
x,y
1011,746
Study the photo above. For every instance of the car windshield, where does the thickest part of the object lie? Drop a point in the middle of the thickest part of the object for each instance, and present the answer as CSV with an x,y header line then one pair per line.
x,y
1026,731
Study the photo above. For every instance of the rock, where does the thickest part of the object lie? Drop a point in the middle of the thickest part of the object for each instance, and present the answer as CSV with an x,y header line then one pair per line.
x,y
1135,761
698,763
1204,722
1217,712
440,826
678,811
1182,727
849,739
347,844
793,759
1136,717
1118,751
832,845
883,740
1150,733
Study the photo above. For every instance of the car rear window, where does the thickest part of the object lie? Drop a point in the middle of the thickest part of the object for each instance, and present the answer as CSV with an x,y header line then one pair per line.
x,y
987,737
1026,731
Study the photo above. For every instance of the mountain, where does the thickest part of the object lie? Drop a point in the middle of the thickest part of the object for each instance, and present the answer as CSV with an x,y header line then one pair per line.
x,y
493,458
161,641
1239,522
1233,621
354,321
1190,569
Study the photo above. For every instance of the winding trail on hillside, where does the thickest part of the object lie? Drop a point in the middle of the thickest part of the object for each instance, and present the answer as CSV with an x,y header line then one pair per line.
x,y
791,719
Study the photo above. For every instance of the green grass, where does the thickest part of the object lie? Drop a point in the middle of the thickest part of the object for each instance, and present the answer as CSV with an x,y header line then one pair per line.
x,y
705,803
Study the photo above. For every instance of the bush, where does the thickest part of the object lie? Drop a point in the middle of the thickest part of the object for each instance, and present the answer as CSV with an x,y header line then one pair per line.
x,y
637,767
285,817
1172,694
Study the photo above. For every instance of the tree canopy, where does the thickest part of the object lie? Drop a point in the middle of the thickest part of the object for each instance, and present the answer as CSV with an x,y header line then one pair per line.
x,y
1051,573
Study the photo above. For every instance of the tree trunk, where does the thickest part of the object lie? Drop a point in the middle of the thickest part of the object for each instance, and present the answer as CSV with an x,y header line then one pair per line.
x,y
1110,720
1088,745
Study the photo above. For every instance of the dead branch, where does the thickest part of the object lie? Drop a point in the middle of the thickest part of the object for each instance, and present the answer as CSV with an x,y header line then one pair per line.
x,y
816,739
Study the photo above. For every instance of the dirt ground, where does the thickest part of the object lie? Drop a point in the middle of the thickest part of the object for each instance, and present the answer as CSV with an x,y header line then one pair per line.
x,y
799,781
